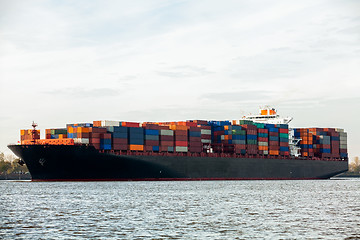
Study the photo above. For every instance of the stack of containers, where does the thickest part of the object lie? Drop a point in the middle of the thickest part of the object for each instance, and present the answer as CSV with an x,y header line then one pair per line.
x,y
166,139
334,142
304,135
195,145
180,138
237,136
119,137
136,138
105,141
152,137
205,134
274,146
56,133
26,134
283,139
200,122
82,135
343,143
71,131
263,140
251,138
217,132
95,134
322,142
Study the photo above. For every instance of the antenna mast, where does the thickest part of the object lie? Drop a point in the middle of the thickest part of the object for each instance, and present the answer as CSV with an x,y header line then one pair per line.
x,y
34,132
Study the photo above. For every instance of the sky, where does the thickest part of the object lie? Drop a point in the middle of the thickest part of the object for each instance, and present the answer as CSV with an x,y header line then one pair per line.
x,y
79,61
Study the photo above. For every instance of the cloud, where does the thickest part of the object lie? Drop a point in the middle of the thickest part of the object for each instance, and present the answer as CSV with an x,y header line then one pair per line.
x,y
185,72
84,93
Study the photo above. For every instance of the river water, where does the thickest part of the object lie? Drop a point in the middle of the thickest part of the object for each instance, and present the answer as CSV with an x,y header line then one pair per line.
x,y
320,209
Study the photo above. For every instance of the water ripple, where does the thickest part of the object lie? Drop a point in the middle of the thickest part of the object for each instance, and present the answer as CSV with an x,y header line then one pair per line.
x,y
180,210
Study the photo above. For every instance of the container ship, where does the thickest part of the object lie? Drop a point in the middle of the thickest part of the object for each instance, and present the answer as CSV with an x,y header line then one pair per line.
x,y
256,147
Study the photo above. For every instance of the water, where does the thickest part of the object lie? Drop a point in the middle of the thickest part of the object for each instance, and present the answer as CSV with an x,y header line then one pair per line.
x,y
324,209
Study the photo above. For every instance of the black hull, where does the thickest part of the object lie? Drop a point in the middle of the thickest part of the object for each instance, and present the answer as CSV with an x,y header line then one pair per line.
x,y
81,163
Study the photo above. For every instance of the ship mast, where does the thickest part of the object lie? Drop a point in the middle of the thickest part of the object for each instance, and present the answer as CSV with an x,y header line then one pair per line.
x,y
34,132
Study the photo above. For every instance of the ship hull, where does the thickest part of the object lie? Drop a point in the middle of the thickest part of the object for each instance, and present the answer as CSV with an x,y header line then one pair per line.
x,y
85,163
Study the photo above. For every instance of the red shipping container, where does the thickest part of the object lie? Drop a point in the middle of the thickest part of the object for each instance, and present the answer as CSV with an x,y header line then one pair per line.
x,y
263,139
83,135
201,122
195,144
249,127
283,130
167,143
195,129
97,130
148,148
120,147
273,143
166,138
151,126
273,134
283,144
95,135
180,133
284,153
181,138
216,133
195,149
205,136
123,141
191,124
195,139
206,127
152,142
130,124
94,140
105,136
275,148
240,146
181,143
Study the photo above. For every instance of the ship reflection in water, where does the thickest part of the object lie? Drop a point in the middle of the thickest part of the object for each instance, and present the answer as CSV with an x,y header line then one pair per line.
x,y
294,209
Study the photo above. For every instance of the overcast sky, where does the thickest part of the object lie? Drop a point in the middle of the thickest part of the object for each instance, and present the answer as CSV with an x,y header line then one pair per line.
x,y
78,61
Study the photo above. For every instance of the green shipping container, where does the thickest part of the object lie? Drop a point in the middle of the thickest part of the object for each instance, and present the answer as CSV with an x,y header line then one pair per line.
x,y
284,135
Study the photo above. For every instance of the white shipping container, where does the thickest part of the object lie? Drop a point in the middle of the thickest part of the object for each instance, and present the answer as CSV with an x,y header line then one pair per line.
x,y
263,143
107,123
166,132
81,140
206,131
343,134
340,130
206,140
181,149
343,146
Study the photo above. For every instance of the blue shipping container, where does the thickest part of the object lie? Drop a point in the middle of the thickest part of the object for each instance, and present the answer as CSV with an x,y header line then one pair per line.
x,y
151,132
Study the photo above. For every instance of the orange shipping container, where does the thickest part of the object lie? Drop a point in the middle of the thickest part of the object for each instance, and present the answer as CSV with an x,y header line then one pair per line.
x,y
178,127
136,147
273,152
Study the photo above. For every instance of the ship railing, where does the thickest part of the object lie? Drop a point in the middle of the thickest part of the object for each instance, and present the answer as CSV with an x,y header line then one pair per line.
x,y
216,155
